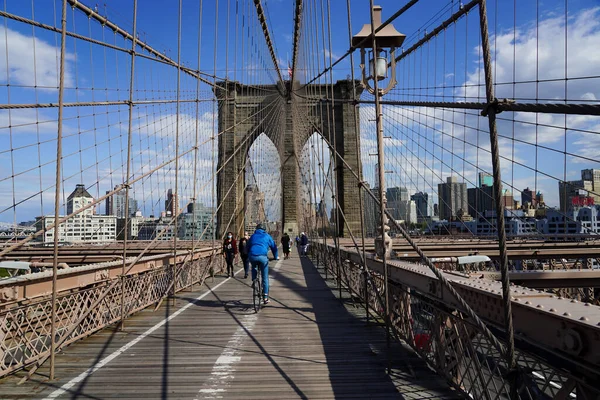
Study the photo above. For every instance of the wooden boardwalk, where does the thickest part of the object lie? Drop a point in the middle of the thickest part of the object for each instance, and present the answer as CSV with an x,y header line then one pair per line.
x,y
211,345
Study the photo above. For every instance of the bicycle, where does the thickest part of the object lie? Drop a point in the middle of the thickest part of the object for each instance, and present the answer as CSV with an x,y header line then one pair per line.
x,y
258,290
257,293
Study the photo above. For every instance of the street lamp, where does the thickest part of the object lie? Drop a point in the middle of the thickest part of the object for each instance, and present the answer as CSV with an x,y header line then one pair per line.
x,y
379,55
381,44
377,40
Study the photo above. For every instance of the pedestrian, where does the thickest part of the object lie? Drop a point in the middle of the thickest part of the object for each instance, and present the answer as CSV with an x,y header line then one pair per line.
x,y
243,250
303,244
285,242
229,252
258,249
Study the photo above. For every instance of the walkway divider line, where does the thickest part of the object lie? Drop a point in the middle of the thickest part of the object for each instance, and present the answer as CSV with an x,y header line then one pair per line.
x,y
67,386
223,371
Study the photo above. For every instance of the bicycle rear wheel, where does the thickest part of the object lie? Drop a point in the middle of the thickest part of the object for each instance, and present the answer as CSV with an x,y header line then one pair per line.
x,y
256,295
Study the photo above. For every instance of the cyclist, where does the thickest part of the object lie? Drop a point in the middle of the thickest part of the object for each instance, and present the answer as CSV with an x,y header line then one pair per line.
x,y
258,248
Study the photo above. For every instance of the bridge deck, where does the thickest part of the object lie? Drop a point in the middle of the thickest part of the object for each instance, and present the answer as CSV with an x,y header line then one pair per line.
x,y
305,344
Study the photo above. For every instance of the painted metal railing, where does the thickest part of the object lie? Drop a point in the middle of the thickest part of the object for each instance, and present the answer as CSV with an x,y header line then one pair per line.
x,y
451,344
25,328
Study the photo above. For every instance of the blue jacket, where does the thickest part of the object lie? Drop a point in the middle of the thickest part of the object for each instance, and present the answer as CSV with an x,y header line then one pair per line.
x,y
303,240
260,243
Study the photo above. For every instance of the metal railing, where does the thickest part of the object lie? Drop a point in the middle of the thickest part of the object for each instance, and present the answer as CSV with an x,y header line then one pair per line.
x,y
452,344
25,327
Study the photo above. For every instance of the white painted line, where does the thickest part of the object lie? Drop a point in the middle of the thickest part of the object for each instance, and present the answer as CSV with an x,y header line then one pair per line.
x,y
67,386
223,371
278,265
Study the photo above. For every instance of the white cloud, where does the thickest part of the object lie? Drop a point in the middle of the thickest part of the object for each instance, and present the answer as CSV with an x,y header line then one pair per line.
x,y
29,67
539,53
27,121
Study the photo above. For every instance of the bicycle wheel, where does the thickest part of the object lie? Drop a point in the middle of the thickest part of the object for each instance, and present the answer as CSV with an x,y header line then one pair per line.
x,y
256,295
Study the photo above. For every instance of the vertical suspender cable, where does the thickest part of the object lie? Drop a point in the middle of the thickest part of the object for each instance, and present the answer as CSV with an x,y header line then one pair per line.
x,y
175,205
194,187
128,168
337,165
214,196
61,90
358,162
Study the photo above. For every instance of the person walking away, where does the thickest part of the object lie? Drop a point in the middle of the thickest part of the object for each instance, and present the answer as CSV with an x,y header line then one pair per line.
x,y
298,244
243,250
258,249
303,243
285,243
229,251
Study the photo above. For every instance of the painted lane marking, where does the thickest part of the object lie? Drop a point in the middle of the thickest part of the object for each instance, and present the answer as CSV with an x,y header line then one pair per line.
x,y
223,371
67,386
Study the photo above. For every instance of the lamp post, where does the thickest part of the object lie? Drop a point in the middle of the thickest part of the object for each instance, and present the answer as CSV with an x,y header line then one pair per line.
x,y
381,43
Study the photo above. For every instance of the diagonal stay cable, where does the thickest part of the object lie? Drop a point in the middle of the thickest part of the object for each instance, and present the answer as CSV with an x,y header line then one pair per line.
x,y
464,305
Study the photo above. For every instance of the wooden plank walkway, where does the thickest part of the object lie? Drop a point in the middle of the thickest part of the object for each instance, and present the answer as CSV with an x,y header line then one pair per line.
x,y
305,344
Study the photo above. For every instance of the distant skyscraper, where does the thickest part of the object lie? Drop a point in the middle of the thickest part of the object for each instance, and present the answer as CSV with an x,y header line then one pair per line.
x,y
480,200
396,201
255,207
452,198
371,212
485,179
593,175
171,202
422,204
115,204
567,191
527,196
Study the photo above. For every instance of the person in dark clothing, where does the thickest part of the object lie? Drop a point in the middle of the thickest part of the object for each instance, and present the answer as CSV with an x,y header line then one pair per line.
x,y
243,250
303,244
229,252
285,242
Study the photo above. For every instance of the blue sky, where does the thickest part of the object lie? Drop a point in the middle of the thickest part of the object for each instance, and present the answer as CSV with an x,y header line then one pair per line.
x,y
94,143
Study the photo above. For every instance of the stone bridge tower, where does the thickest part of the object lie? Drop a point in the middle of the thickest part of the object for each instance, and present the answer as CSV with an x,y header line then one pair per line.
x,y
243,115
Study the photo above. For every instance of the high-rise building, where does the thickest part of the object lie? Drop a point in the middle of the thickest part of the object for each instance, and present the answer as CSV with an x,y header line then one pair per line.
x,y
485,179
527,196
255,207
423,205
396,201
171,203
571,190
507,199
371,212
197,224
115,204
539,198
480,200
593,175
452,199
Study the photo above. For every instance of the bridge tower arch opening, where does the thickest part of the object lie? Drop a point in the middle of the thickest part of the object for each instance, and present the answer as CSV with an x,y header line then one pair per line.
x,y
317,180
262,194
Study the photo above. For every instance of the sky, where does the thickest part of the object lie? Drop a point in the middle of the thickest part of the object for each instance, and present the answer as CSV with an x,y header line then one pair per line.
x,y
530,42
